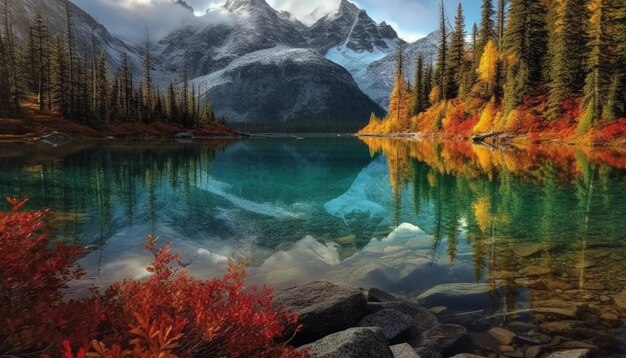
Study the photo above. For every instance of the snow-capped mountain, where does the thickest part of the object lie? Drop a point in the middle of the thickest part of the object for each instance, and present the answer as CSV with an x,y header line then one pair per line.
x,y
261,65
53,11
287,88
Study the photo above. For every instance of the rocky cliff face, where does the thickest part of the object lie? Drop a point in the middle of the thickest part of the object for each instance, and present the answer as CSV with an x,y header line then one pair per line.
x,y
287,89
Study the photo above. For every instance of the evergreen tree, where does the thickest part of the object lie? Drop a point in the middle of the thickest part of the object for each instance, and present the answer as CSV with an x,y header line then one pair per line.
x,y
102,87
69,33
418,100
442,59
487,27
147,81
60,71
457,53
501,14
568,50
37,66
476,49
172,107
525,45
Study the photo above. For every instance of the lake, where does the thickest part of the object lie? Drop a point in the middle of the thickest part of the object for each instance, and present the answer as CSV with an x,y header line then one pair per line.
x,y
532,239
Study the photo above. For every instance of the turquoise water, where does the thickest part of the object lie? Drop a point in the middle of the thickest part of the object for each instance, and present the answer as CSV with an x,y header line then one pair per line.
x,y
402,216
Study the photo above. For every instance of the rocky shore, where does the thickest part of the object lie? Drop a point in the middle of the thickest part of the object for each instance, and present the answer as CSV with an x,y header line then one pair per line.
x,y
344,322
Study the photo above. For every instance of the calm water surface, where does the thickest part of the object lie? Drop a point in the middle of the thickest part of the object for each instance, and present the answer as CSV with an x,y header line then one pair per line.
x,y
538,235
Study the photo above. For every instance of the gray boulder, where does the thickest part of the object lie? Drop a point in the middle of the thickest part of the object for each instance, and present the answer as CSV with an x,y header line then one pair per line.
x,y
376,295
323,308
423,319
427,352
448,339
576,353
392,323
458,296
351,343
403,351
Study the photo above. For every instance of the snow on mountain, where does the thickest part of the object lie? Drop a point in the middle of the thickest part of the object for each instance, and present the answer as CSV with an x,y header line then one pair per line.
x,y
381,73
295,89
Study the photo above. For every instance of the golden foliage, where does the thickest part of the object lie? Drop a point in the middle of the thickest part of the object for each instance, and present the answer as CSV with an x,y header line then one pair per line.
x,y
487,118
488,68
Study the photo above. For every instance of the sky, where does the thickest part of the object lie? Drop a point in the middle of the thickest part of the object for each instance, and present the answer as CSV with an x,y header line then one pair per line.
x,y
412,19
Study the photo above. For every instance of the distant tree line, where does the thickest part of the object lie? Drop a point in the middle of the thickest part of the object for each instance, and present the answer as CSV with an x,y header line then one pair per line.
x,y
83,88
560,49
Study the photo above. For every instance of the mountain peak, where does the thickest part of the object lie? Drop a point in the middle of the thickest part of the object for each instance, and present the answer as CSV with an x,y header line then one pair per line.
x,y
184,4
346,6
233,5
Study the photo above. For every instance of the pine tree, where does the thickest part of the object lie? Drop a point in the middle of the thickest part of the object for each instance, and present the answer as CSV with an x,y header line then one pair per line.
x,y
69,33
457,54
102,87
417,101
525,46
428,85
605,63
172,107
5,98
487,27
501,14
147,79
442,63
10,54
60,82
476,50
568,47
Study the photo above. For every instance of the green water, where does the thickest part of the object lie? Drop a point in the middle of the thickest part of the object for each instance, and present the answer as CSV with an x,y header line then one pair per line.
x,y
402,216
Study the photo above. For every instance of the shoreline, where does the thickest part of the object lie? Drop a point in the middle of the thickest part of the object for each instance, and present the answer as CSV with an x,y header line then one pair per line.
x,y
510,140
342,321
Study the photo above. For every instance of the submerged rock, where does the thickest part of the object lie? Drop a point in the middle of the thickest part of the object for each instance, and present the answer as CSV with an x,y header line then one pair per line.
x,y
323,308
620,299
376,295
403,351
392,322
458,296
576,353
423,319
502,335
351,343
447,339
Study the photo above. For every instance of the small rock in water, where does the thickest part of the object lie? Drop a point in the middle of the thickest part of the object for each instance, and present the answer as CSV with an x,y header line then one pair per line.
x,y
507,349
438,309
502,335
458,296
423,319
376,295
620,299
527,250
403,351
532,352
447,339
467,355
593,286
577,353
536,271
351,343
392,323
427,352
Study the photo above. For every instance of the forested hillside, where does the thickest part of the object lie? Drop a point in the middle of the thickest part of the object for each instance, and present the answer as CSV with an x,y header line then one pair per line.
x,y
83,87
549,70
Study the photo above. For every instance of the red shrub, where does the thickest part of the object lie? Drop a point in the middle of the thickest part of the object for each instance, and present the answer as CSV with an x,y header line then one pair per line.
x,y
34,271
169,314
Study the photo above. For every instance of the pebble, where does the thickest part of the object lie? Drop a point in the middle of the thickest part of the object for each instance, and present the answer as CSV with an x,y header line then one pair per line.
x,y
502,335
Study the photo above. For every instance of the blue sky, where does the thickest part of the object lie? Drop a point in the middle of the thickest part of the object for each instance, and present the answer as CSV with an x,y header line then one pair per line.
x,y
412,19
